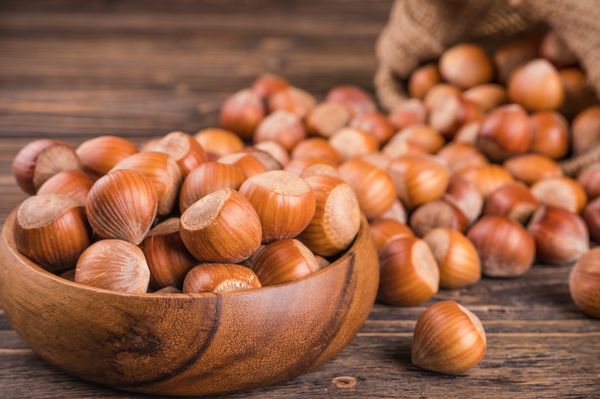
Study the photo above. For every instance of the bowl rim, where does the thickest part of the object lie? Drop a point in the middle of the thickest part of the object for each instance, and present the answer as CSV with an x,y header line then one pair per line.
x,y
9,239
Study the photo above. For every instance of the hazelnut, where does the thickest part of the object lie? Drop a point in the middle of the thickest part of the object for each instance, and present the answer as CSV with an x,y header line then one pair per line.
x,y
586,129
374,187
384,231
487,178
407,113
376,124
531,168
292,99
51,230
249,164
352,143
563,192
422,79
283,127
448,339
456,257
267,84
355,98
275,150
221,227
316,147
560,236
183,148
487,96
584,283
591,214
218,142
465,197
122,205
578,93
536,86
434,214
40,160
71,183
284,261
461,156
242,112
284,202
466,65
99,155
113,265
505,132
219,278
422,136
589,179
166,255
513,200
327,118
505,248
550,134
409,273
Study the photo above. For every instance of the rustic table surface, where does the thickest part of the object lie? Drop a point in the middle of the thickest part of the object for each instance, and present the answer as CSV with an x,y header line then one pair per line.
x,y
73,70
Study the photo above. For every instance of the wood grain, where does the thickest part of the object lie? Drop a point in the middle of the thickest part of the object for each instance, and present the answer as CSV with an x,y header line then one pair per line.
x,y
73,69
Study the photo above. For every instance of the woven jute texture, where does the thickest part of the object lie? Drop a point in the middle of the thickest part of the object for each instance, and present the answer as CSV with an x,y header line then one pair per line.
x,y
420,30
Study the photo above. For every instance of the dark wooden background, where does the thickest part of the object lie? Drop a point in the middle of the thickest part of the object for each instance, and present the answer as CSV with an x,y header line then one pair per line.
x,y
74,69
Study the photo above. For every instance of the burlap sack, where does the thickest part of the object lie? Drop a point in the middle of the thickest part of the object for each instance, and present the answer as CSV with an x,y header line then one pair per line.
x,y
420,30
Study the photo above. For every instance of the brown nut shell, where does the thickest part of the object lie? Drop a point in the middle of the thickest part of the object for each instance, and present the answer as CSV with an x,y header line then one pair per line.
x,y
284,261
71,183
584,283
220,277
100,154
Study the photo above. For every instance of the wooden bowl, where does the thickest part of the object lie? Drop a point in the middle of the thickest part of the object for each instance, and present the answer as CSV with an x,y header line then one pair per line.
x,y
189,344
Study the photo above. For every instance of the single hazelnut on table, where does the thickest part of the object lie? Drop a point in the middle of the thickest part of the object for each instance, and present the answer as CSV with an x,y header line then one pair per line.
x,y
448,339
505,132
292,99
466,65
563,192
560,236
71,183
122,205
423,136
395,212
220,277
586,129
589,178
486,96
513,200
327,118
283,127
316,147
591,214
166,255
218,142
352,143
505,248
556,51
100,154
162,170
183,148
284,261
407,113
536,86
40,160
51,230
513,54
579,94
113,265
376,124
418,178
267,84
208,178
409,272
456,257
337,216
531,168
550,132
242,112
247,162
461,156
355,98
584,283
284,202
434,214
465,197
487,178
311,166
275,150
374,187
384,231
422,79
221,227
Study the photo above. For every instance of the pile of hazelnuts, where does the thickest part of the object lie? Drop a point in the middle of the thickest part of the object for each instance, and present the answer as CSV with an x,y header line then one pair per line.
x,y
458,181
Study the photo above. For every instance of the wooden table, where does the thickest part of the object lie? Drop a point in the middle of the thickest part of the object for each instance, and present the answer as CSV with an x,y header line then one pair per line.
x,y
72,70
